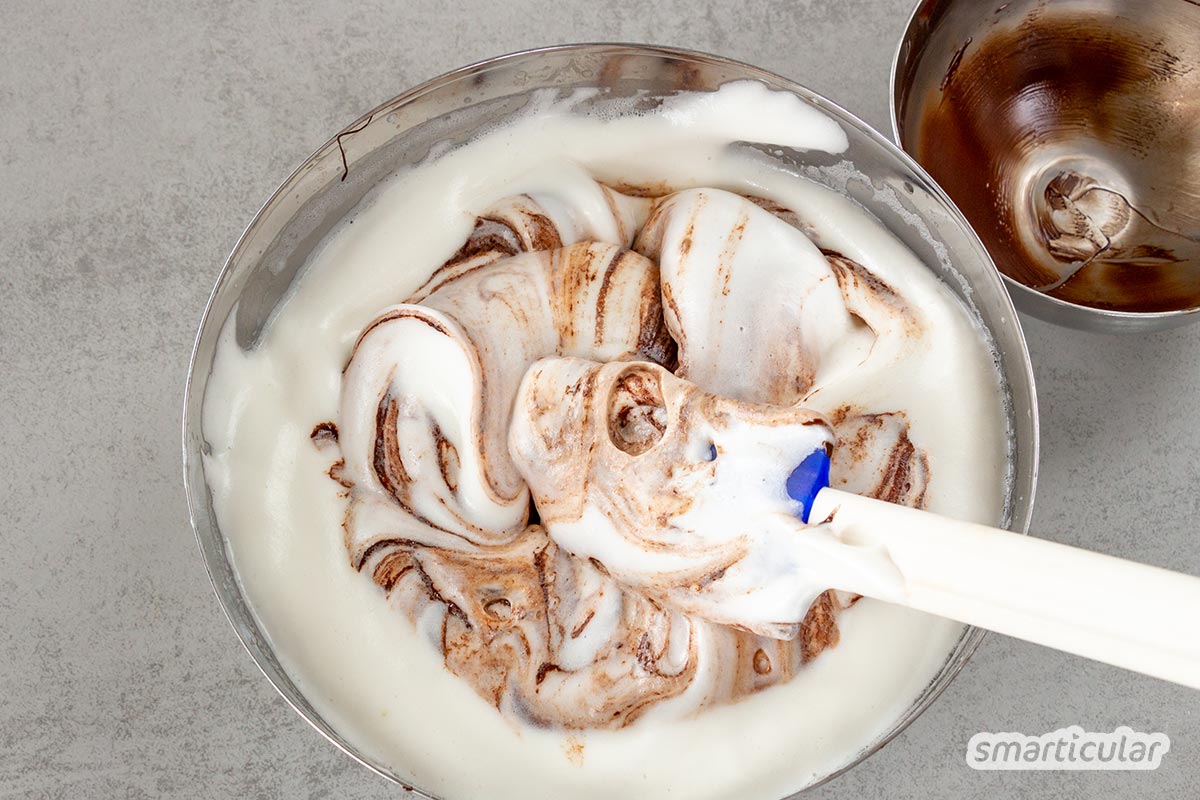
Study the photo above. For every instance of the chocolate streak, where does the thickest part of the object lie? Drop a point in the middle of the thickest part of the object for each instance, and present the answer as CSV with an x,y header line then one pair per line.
x,y
542,635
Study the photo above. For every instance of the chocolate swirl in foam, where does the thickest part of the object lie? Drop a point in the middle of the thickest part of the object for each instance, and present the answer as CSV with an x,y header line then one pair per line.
x,y
727,292
678,492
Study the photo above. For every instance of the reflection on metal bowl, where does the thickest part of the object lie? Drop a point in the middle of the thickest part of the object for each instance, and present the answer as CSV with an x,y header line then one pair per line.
x,y
1066,131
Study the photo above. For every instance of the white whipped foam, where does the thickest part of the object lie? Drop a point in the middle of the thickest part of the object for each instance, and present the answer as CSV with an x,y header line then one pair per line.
x,y
364,667
698,518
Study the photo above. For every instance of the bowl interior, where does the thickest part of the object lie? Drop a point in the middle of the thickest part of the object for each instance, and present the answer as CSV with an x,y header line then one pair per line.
x,y
1064,131
275,247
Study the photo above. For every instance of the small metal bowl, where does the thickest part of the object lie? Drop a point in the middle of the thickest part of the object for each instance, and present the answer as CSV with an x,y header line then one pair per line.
x,y
453,107
1065,130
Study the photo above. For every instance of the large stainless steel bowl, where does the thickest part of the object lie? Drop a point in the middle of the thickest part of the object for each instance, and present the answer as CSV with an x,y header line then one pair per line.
x,y
310,202
1066,132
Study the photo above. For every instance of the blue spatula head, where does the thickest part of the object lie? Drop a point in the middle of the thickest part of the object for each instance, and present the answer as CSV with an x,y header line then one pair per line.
x,y
810,477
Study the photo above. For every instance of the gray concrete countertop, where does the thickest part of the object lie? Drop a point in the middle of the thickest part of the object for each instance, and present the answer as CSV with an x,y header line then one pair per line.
x,y
138,138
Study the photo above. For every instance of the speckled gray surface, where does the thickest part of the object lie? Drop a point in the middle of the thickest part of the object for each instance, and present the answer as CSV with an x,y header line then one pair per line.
x,y
136,140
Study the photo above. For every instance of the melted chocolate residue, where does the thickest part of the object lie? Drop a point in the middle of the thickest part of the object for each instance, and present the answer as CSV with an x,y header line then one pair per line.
x,y
1069,142
324,432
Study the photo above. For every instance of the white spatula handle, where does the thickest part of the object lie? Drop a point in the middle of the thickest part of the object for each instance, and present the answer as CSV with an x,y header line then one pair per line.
x,y
1120,612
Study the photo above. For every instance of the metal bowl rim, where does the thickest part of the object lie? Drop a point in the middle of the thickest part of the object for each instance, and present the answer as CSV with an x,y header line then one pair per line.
x,y
971,637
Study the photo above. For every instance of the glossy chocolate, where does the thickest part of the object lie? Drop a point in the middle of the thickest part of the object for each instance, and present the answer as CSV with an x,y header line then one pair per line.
x,y
1069,139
